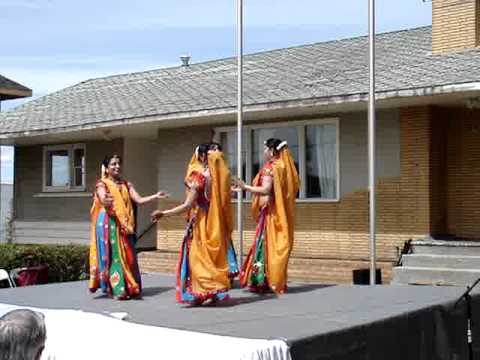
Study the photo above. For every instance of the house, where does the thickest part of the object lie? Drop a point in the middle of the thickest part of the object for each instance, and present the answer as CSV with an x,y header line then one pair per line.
x,y
6,198
9,90
428,142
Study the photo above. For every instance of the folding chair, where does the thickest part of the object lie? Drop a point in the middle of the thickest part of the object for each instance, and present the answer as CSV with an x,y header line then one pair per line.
x,y
5,276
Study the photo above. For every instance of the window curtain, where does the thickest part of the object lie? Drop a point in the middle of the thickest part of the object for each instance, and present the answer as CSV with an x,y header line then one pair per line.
x,y
326,138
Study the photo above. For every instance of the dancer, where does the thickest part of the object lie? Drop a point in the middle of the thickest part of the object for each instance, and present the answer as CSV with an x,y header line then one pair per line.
x,y
113,260
203,269
275,188
226,205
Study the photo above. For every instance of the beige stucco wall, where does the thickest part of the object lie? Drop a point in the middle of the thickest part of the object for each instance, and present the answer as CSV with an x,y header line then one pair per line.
x,y
28,182
140,168
176,147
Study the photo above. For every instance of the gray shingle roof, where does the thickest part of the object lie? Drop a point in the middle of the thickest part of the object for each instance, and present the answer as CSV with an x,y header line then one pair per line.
x,y
322,70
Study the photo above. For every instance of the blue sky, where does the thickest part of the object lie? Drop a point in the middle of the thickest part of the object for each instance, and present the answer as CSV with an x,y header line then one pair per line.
x,y
52,44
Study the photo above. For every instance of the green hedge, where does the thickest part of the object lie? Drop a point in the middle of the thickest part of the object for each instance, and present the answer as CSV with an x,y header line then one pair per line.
x,y
65,262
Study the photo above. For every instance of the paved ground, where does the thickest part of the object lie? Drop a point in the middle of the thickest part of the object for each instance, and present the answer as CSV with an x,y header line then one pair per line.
x,y
307,310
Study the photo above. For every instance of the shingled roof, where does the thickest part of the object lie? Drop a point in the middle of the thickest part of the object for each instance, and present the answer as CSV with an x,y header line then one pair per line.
x,y
321,70
10,89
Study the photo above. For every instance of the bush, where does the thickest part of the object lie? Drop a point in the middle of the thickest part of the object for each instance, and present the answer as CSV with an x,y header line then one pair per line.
x,y
65,262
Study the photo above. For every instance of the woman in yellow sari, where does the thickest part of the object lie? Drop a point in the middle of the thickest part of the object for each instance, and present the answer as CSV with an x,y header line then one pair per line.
x,y
203,271
113,260
275,189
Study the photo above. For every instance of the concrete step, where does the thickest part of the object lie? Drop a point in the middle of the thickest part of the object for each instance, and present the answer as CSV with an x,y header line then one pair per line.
x,y
446,247
434,276
442,261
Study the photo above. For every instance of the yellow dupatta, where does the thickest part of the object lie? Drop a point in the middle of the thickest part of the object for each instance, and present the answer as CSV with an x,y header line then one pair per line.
x,y
221,194
211,230
123,210
280,219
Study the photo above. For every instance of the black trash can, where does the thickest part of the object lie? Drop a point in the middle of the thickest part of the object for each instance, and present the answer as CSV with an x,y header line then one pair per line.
x,y
362,276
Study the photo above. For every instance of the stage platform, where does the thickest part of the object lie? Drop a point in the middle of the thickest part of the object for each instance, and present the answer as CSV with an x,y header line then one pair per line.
x,y
317,321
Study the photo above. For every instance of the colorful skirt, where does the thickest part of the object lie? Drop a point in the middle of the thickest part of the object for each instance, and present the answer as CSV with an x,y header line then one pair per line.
x,y
254,272
184,292
233,270
118,270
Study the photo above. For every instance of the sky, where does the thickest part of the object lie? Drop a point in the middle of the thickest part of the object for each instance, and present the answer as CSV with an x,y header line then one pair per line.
x,y
52,44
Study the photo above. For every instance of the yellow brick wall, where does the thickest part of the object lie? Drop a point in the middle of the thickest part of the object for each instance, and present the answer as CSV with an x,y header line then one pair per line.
x,y
438,173
331,239
455,25
463,181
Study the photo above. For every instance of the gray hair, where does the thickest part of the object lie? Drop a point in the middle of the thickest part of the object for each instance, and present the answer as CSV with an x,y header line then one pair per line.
x,y
22,335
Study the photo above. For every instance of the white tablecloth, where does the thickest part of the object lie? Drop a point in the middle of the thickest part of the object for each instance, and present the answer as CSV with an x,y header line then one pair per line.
x,y
74,334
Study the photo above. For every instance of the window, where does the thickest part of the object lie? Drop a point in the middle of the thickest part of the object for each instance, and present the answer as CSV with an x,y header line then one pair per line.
x,y
290,134
321,161
229,144
314,147
64,168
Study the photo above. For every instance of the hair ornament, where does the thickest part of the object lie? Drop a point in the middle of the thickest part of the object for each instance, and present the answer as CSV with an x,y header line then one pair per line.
x,y
281,145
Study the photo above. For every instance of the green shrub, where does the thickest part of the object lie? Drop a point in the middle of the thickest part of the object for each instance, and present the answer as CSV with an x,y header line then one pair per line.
x,y
65,262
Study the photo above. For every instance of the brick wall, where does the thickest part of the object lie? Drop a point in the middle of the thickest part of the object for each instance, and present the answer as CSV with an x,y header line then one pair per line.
x,y
455,25
331,239
463,181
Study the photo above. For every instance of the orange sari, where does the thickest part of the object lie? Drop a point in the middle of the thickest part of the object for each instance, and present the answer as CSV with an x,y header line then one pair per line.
x,y
267,261
113,262
203,268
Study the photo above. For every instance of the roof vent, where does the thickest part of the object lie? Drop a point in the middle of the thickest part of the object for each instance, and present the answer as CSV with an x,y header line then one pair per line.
x,y
185,60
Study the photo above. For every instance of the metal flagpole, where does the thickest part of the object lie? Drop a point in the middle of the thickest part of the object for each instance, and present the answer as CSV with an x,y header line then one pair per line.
x,y
371,137
240,121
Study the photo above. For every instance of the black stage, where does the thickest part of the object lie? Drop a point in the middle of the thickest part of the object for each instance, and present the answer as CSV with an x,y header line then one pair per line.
x,y
317,321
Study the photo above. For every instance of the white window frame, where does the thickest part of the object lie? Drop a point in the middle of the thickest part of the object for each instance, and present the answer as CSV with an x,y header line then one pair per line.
x,y
70,148
301,125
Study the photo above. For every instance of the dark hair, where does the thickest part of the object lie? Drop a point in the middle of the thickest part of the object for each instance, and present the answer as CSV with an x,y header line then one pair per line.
x,y
202,149
215,146
272,144
108,158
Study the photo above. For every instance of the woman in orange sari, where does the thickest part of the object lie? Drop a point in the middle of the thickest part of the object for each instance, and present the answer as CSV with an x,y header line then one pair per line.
x,y
113,260
275,189
203,269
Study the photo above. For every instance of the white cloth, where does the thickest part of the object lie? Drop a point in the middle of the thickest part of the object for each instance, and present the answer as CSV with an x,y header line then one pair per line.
x,y
74,334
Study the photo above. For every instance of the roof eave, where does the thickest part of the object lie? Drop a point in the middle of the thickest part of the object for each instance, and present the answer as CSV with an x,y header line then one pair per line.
x,y
9,94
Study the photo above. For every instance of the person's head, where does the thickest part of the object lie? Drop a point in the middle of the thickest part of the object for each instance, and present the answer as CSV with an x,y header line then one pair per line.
x,y
202,152
271,148
215,147
112,165
22,335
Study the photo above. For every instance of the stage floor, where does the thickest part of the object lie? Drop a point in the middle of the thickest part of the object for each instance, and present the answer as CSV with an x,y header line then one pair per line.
x,y
317,321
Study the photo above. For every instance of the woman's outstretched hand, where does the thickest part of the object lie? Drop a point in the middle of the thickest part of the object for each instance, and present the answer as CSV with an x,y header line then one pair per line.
x,y
238,185
162,195
156,215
